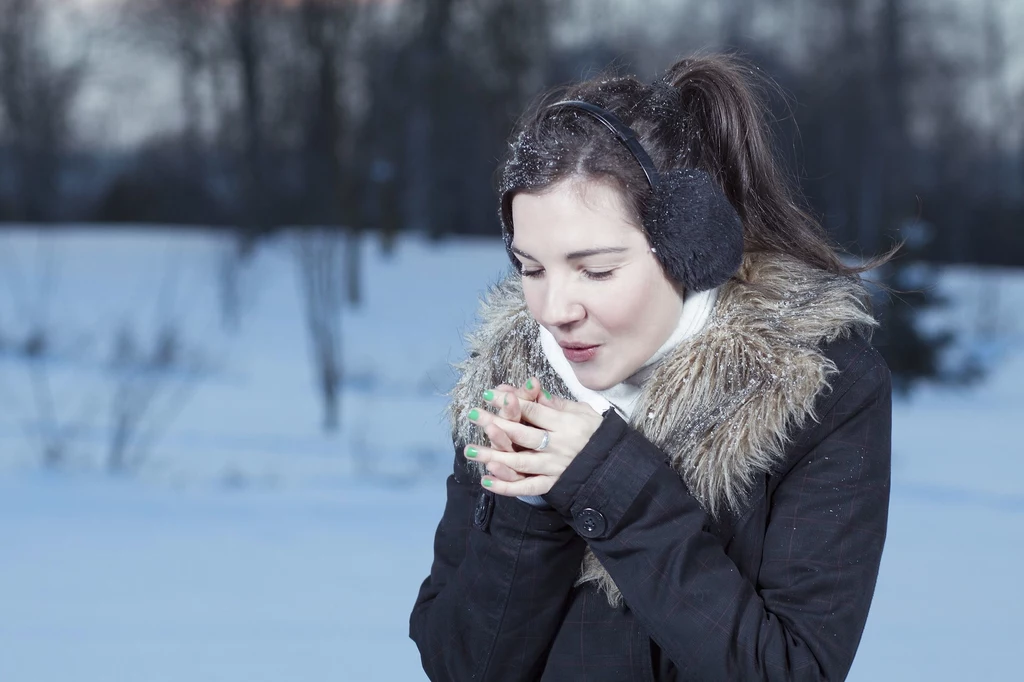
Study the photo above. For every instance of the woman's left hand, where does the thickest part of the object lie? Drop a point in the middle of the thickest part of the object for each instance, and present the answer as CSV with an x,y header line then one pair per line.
x,y
569,426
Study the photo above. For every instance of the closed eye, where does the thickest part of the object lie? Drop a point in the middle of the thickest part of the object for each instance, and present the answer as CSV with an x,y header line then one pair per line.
x,y
589,274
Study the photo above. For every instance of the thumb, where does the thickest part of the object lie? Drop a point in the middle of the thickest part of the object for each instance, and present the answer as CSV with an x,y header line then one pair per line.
x,y
564,404
555,402
532,389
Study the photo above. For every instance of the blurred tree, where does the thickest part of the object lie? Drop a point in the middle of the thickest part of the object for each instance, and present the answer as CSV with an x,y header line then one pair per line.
x,y
434,151
332,128
150,383
322,283
871,176
248,52
383,139
187,32
911,353
37,95
467,71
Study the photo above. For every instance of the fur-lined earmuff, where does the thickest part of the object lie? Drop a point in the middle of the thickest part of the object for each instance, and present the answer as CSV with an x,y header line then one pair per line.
x,y
694,230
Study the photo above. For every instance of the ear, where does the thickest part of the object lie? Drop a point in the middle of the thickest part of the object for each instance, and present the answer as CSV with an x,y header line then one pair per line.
x,y
695,230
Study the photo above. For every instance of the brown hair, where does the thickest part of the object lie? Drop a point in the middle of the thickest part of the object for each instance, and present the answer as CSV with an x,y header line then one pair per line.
x,y
703,113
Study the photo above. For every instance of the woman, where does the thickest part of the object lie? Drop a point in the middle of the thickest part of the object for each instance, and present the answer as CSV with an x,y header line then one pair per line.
x,y
672,435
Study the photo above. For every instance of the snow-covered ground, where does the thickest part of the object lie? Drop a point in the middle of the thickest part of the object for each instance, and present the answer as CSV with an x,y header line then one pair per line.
x,y
248,545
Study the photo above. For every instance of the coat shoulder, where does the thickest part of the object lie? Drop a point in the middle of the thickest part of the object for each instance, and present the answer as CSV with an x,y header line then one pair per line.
x,y
861,380
855,360
860,374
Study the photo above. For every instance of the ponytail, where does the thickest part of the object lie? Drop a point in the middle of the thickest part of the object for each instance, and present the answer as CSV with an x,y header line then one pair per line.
x,y
730,138
725,122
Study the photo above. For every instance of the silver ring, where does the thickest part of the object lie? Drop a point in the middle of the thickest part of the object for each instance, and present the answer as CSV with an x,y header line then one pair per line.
x,y
543,441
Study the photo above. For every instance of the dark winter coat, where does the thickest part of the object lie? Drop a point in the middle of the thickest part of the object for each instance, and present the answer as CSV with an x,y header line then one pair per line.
x,y
731,531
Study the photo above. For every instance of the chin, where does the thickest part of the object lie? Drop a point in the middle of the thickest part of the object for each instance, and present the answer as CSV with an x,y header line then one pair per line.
x,y
597,381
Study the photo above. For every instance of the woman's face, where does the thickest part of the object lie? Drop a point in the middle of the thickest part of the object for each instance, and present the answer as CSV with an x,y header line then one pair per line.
x,y
591,279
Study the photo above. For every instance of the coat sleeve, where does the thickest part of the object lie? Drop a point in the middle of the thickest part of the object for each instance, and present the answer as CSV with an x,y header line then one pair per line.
x,y
802,618
498,587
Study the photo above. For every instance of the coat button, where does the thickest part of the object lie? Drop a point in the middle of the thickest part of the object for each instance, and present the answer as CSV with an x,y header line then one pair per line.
x,y
482,511
591,523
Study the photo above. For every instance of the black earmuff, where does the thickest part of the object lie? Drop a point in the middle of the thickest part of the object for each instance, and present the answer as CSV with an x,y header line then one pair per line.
x,y
693,228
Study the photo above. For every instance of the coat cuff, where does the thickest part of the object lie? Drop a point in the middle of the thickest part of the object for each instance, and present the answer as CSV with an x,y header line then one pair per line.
x,y
515,516
599,485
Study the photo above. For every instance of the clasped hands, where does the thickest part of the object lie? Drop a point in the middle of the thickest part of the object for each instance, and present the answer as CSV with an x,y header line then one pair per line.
x,y
521,460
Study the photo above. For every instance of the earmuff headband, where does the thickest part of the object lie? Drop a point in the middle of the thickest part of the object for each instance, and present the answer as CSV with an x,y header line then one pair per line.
x,y
625,134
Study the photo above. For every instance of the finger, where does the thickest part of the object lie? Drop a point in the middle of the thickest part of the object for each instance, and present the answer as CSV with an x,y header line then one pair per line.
x,y
524,462
494,469
535,392
543,416
533,389
513,410
499,439
520,392
509,388
531,485
520,434
558,403
554,402
503,473
506,401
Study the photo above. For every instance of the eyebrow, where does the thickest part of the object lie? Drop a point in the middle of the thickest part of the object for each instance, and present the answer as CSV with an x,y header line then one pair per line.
x,y
576,255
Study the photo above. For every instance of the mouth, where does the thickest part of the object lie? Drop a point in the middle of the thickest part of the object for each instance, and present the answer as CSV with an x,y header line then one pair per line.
x,y
579,352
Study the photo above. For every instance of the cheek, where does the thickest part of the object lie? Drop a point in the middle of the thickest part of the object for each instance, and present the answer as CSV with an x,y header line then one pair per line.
x,y
534,296
624,308
617,313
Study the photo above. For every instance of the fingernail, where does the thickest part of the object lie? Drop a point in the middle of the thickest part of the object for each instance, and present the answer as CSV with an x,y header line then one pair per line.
x,y
546,395
474,414
506,400
488,396
487,483
529,384
471,452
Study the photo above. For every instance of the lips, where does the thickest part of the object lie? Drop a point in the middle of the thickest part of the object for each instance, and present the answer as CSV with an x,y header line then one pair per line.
x,y
579,352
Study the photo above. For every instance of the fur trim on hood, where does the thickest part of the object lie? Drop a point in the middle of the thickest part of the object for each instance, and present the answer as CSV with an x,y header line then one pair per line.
x,y
724,403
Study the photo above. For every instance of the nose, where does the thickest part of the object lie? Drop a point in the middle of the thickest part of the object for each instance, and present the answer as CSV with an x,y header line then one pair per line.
x,y
561,306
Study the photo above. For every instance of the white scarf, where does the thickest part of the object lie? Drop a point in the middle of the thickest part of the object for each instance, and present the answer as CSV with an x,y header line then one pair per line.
x,y
697,309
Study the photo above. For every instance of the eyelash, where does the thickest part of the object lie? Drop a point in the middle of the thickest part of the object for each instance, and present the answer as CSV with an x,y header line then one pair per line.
x,y
597,276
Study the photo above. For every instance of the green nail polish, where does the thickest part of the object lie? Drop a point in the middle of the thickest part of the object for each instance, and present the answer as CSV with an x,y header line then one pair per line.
x,y
488,396
547,395
506,400
488,483
471,452
529,384
474,414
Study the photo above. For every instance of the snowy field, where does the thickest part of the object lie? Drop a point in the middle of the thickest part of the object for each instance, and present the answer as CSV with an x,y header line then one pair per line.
x,y
247,545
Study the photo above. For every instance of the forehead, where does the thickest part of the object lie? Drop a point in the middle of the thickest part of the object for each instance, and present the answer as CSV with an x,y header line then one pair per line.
x,y
574,213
